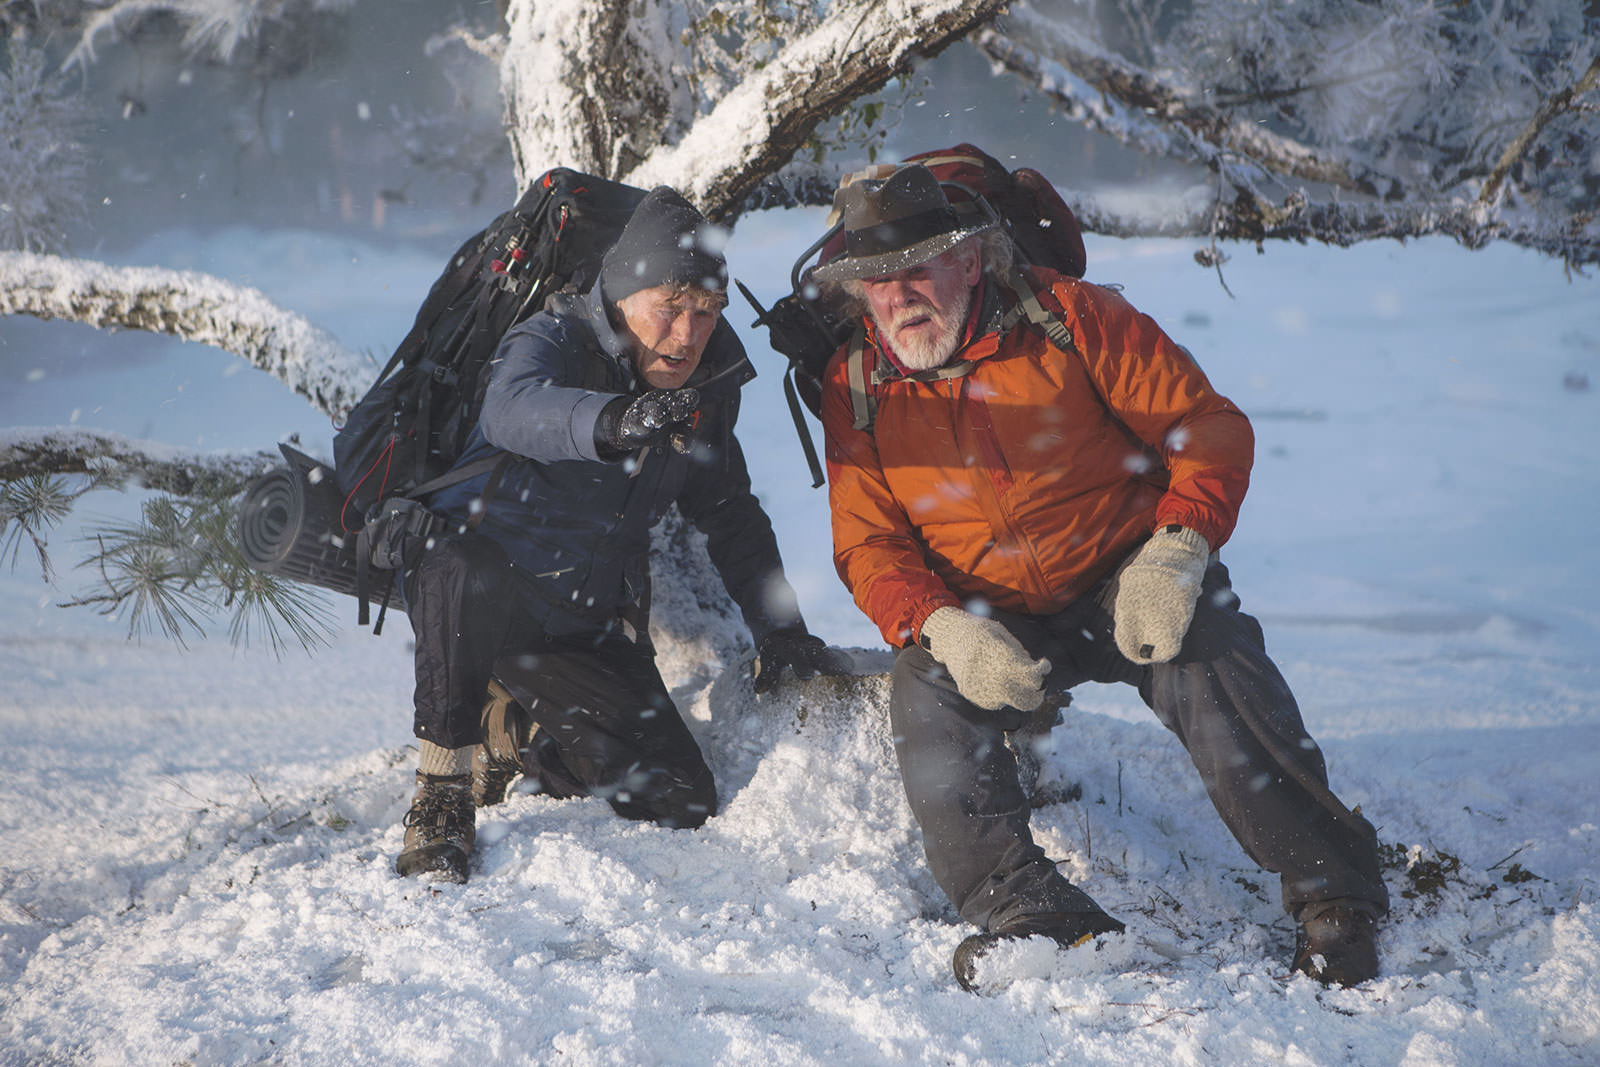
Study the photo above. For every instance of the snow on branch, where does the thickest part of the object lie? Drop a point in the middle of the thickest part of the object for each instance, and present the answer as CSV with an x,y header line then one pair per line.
x,y
756,127
194,307
608,86
1564,101
1115,97
581,88
114,460
211,27
1135,106
1249,216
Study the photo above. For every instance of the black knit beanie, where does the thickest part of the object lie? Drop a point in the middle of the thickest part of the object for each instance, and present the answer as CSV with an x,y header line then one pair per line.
x,y
666,242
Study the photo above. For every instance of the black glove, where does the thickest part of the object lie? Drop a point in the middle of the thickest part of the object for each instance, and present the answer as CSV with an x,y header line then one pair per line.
x,y
627,424
807,654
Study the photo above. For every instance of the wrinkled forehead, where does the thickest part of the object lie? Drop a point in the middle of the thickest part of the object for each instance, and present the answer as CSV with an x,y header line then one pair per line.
x,y
683,297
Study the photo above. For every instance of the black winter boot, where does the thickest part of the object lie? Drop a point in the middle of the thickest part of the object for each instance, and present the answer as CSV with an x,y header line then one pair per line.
x,y
1338,945
1069,930
497,761
440,829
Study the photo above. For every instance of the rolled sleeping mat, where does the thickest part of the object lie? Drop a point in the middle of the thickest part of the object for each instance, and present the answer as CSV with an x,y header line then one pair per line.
x,y
288,526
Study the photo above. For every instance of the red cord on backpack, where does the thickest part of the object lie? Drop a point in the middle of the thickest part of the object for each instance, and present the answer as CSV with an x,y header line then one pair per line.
x,y
386,458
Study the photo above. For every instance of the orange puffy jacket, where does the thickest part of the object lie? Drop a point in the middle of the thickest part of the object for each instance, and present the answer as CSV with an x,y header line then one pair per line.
x,y
1028,479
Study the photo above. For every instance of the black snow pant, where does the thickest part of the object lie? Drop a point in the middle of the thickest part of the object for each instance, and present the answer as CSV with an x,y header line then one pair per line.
x,y
1221,696
607,724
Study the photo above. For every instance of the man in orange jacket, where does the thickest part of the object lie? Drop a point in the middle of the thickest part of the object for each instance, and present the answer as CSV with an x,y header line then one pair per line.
x,y
1029,481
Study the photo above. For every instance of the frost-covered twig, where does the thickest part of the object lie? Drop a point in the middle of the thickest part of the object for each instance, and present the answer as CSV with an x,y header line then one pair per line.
x,y
43,161
113,460
1152,115
208,27
1563,101
195,307
1110,95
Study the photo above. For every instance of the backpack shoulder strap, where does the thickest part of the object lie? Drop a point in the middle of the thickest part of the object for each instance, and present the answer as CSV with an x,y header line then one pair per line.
x,y
863,397
1032,308
863,386
861,400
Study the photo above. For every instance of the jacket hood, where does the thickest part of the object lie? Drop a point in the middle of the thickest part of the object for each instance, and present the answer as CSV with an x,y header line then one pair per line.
x,y
591,307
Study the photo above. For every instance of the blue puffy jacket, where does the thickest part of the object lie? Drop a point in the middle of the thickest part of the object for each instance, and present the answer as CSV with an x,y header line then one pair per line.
x,y
576,527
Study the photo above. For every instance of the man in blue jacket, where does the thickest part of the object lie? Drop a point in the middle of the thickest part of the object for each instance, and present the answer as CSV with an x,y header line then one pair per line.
x,y
613,405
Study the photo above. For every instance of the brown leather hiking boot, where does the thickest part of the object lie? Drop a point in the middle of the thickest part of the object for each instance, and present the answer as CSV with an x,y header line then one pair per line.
x,y
497,761
1338,945
440,829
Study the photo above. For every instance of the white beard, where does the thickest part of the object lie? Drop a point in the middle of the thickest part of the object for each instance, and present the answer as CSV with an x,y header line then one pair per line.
x,y
927,352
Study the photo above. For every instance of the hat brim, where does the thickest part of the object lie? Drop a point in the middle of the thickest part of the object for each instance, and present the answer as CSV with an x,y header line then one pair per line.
x,y
847,268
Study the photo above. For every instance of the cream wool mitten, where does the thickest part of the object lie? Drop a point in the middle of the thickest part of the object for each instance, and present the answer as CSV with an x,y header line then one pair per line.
x,y
990,667
1156,594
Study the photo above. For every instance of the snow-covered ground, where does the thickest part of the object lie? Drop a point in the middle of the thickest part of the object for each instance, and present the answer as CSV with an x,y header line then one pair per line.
x,y
196,846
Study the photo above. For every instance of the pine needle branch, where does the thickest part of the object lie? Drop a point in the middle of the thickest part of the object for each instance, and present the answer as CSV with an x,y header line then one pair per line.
x,y
30,508
179,565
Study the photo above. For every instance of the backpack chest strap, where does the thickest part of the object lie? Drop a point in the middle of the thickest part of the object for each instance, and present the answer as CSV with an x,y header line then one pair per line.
x,y
864,386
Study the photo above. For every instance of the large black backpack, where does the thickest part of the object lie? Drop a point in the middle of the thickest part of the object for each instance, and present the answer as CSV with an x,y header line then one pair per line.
x,y
412,424
402,439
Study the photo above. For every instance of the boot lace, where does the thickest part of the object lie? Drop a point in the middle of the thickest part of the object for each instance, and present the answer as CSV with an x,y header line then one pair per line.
x,y
447,809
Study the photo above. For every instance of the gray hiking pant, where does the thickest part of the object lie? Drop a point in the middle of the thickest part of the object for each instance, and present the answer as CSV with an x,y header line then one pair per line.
x,y
1221,696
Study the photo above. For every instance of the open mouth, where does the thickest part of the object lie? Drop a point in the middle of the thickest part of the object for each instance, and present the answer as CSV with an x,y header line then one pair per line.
x,y
673,362
914,323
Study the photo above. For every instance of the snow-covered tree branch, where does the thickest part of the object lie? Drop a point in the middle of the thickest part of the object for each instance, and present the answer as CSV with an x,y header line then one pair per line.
x,y
1563,102
1134,105
1441,174
589,88
195,307
1407,109
114,460
810,80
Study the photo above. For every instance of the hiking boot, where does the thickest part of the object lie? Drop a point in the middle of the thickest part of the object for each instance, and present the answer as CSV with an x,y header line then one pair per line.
x,y
439,829
1069,930
497,761
1338,946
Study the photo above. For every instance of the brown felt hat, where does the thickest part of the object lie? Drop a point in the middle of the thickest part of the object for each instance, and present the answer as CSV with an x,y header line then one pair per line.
x,y
896,223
